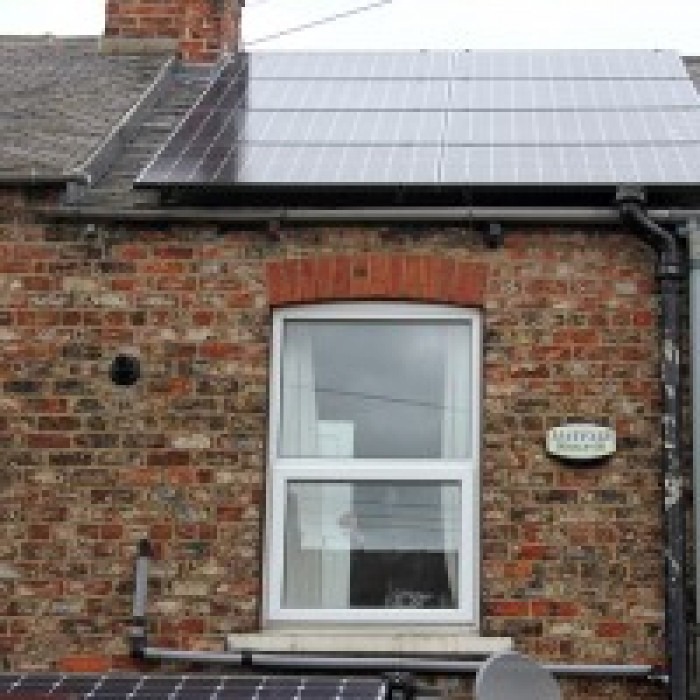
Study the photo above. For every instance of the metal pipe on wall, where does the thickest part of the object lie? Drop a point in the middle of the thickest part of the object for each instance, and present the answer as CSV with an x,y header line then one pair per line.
x,y
254,660
138,632
670,272
692,232
266,661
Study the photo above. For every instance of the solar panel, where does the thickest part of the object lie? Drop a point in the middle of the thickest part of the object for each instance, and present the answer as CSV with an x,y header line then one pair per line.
x,y
191,687
351,95
580,95
78,685
37,683
350,65
566,64
439,118
573,128
7,681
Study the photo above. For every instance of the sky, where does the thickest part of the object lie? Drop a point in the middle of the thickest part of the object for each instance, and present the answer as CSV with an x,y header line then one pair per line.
x,y
418,24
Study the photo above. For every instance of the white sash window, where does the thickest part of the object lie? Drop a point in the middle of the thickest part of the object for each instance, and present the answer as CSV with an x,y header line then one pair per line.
x,y
372,504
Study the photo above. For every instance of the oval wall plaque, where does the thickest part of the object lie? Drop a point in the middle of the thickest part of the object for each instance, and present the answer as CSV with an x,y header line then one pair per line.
x,y
581,441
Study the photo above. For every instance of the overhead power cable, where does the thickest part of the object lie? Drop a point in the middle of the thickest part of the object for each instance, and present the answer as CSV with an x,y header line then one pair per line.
x,y
319,22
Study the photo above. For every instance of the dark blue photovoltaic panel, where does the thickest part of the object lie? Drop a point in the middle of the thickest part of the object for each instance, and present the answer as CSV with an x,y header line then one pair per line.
x,y
552,165
579,95
439,118
565,64
192,687
554,128
37,683
334,165
77,685
7,681
351,95
157,687
333,128
351,65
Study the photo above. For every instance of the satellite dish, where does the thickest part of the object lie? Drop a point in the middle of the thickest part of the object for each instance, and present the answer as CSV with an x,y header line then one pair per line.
x,y
510,676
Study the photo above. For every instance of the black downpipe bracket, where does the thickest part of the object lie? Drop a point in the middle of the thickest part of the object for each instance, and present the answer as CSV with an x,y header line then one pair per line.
x,y
670,274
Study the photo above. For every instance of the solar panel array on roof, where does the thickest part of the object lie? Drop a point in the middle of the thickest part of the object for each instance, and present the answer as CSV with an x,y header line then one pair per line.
x,y
439,119
190,687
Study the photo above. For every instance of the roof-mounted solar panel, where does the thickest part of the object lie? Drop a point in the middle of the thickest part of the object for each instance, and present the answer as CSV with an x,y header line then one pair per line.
x,y
372,65
438,119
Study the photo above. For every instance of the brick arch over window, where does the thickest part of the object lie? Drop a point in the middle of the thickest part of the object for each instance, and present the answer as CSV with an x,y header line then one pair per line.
x,y
374,276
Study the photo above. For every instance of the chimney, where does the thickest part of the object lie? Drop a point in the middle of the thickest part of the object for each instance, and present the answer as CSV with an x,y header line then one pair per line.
x,y
199,30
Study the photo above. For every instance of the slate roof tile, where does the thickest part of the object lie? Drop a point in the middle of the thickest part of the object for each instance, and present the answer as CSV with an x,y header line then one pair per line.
x,y
59,97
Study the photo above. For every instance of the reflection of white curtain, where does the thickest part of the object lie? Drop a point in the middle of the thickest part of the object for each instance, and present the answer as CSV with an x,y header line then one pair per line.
x,y
456,432
299,417
455,417
298,439
337,506
317,545
317,550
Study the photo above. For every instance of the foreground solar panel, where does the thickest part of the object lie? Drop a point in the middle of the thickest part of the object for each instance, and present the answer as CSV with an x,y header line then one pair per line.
x,y
190,687
435,119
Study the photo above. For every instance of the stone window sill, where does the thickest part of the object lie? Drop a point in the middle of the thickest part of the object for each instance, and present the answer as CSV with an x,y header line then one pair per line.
x,y
355,641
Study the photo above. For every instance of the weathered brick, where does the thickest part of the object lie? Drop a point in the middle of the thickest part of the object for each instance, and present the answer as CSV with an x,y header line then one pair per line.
x,y
571,559
48,441
23,387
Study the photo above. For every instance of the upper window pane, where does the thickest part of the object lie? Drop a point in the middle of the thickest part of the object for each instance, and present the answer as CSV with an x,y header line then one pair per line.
x,y
376,389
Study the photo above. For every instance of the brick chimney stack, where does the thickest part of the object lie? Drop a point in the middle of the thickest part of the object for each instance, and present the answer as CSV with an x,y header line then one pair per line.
x,y
199,30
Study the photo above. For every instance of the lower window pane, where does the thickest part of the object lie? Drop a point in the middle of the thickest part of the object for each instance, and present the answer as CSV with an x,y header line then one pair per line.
x,y
372,544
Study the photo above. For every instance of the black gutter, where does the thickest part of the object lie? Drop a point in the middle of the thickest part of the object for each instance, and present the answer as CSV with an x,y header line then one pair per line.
x,y
670,273
31,179
315,215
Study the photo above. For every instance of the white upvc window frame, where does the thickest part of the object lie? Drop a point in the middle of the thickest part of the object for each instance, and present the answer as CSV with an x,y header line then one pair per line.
x,y
283,469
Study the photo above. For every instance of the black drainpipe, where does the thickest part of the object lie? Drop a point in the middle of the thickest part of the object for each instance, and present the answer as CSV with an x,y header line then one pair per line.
x,y
670,273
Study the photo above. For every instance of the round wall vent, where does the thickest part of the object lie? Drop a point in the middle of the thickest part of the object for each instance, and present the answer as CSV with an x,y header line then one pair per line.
x,y
125,370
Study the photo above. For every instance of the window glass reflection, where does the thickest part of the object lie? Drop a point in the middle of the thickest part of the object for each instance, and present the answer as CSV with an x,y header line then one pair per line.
x,y
372,545
376,389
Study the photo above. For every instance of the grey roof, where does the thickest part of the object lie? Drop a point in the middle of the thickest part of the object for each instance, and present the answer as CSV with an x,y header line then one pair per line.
x,y
59,98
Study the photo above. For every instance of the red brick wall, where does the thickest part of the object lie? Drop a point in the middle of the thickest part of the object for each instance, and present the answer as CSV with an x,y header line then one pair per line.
x,y
571,559
202,28
387,276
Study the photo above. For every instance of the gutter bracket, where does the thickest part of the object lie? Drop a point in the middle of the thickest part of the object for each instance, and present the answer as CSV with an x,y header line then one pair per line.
x,y
246,658
493,235
630,194
75,190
